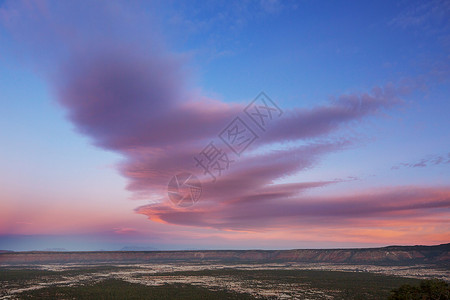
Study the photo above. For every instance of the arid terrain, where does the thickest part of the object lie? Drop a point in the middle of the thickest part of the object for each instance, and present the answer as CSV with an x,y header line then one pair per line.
x,y
290,274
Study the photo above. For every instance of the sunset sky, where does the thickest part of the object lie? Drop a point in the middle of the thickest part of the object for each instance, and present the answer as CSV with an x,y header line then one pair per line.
x,y
103,102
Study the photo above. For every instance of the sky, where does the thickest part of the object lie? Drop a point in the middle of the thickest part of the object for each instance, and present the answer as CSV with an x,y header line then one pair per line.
x,y
299,124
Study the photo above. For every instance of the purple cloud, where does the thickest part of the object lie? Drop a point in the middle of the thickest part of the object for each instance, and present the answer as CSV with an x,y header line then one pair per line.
x,y
130,95
269,210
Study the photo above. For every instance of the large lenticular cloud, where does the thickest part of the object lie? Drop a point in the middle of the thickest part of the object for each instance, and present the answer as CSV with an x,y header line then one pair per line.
x,y
126,101
120,87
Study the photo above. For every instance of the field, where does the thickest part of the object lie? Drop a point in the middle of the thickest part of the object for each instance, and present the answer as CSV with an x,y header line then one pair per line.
x,y
204,281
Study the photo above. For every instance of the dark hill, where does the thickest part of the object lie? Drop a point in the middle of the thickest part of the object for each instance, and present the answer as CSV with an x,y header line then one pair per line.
x,y
392,255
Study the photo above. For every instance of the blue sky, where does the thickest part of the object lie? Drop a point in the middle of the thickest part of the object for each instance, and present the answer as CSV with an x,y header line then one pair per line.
x,y
69,171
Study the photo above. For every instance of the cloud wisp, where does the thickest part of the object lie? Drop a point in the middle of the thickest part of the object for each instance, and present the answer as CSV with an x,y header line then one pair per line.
x,y
431,160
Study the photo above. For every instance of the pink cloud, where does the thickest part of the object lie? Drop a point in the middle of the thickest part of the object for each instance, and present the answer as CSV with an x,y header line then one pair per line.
x,y
267,211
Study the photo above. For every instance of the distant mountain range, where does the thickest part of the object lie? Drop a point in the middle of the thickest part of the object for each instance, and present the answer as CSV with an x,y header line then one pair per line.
x,y
55,249
392,255
137,248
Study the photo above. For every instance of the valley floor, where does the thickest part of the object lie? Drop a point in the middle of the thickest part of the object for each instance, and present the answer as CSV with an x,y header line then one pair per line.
x,y
210,280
